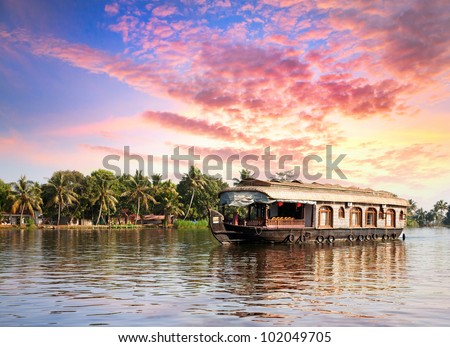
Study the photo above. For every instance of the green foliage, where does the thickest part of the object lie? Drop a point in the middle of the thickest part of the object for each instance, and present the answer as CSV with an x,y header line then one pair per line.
x,y
243,175
5,191
103,189
439,215
411,223
446,220
168,200
139,190
198,192
60,191
25,197
29,222
440,209
191,225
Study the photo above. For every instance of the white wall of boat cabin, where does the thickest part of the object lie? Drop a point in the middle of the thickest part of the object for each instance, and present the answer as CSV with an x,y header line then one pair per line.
x,y
345,222
308,215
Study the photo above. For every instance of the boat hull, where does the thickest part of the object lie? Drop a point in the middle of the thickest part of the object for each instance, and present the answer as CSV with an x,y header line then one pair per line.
x,y
231,233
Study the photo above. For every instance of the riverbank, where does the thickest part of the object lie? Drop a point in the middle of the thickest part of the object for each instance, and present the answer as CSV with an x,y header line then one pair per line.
x,y
82,227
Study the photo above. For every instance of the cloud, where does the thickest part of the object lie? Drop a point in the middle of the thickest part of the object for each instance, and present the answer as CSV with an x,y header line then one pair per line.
x,y
278,73
112,9
411,164
263,80
194,126
411,38
164,10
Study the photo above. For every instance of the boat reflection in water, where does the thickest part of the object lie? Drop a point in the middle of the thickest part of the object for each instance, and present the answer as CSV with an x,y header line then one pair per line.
x,y
289,283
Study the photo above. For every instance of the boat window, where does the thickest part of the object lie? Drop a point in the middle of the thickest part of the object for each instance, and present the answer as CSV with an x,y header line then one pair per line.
x,y
288,209
355,217
341,212
325,216
371,217
390,218
402,215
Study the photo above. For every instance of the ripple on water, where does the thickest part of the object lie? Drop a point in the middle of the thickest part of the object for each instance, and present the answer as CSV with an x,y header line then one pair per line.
x,y
169,278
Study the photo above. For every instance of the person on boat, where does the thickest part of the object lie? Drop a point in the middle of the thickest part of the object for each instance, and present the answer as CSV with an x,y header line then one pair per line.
x,y
235,218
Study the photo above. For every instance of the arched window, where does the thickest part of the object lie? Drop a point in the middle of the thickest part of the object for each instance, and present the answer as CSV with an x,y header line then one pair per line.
x,y
402,215
341,212
355,217
371,217
390,218
325,216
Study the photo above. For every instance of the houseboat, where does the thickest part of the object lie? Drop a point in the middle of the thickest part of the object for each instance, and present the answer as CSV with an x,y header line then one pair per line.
x,y
273,211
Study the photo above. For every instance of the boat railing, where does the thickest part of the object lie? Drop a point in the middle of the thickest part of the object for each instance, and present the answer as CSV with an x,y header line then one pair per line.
x,y
282,221
277,221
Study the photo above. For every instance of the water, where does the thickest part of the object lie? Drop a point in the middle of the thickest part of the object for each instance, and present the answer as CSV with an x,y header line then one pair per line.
x,y
176,278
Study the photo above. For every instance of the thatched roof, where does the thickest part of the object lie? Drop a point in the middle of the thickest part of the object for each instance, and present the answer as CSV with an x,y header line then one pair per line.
x,y
292,191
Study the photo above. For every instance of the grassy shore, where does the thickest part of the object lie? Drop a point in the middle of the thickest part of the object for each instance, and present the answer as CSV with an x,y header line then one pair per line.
x,y
180,224
191,225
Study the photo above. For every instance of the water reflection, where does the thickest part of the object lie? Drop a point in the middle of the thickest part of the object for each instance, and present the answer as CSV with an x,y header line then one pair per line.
x,y
324,278
174,278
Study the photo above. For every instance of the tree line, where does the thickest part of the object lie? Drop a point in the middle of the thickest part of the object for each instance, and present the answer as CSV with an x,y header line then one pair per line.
x,y
102,197
437,216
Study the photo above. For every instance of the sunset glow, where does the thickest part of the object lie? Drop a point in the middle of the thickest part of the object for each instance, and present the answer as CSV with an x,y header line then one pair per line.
x,y
80,80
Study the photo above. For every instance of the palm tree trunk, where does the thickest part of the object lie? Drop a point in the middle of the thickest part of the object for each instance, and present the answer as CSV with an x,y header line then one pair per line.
x,y
166,218
21,215
100,214
109,217
138,210
190,204
59,213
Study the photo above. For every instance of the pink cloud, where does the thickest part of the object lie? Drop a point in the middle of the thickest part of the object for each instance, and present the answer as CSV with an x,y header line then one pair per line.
x,y
222,3
112,9
195,126
127,26
267,83
164,10
410,165
233,133
411,39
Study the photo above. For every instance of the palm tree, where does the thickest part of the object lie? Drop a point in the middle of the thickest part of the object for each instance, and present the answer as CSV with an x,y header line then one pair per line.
x,y
140,190
5,191
440,208
169,200
421,217
104,195
412,207
25,196
431,217
195,180
244,174
156,179
60,191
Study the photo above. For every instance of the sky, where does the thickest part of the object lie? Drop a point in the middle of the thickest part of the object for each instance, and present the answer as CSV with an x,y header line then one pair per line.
x,y
361,84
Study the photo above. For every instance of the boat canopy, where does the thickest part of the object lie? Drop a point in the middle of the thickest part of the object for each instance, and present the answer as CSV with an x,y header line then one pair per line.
x,y
245,198
252,190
